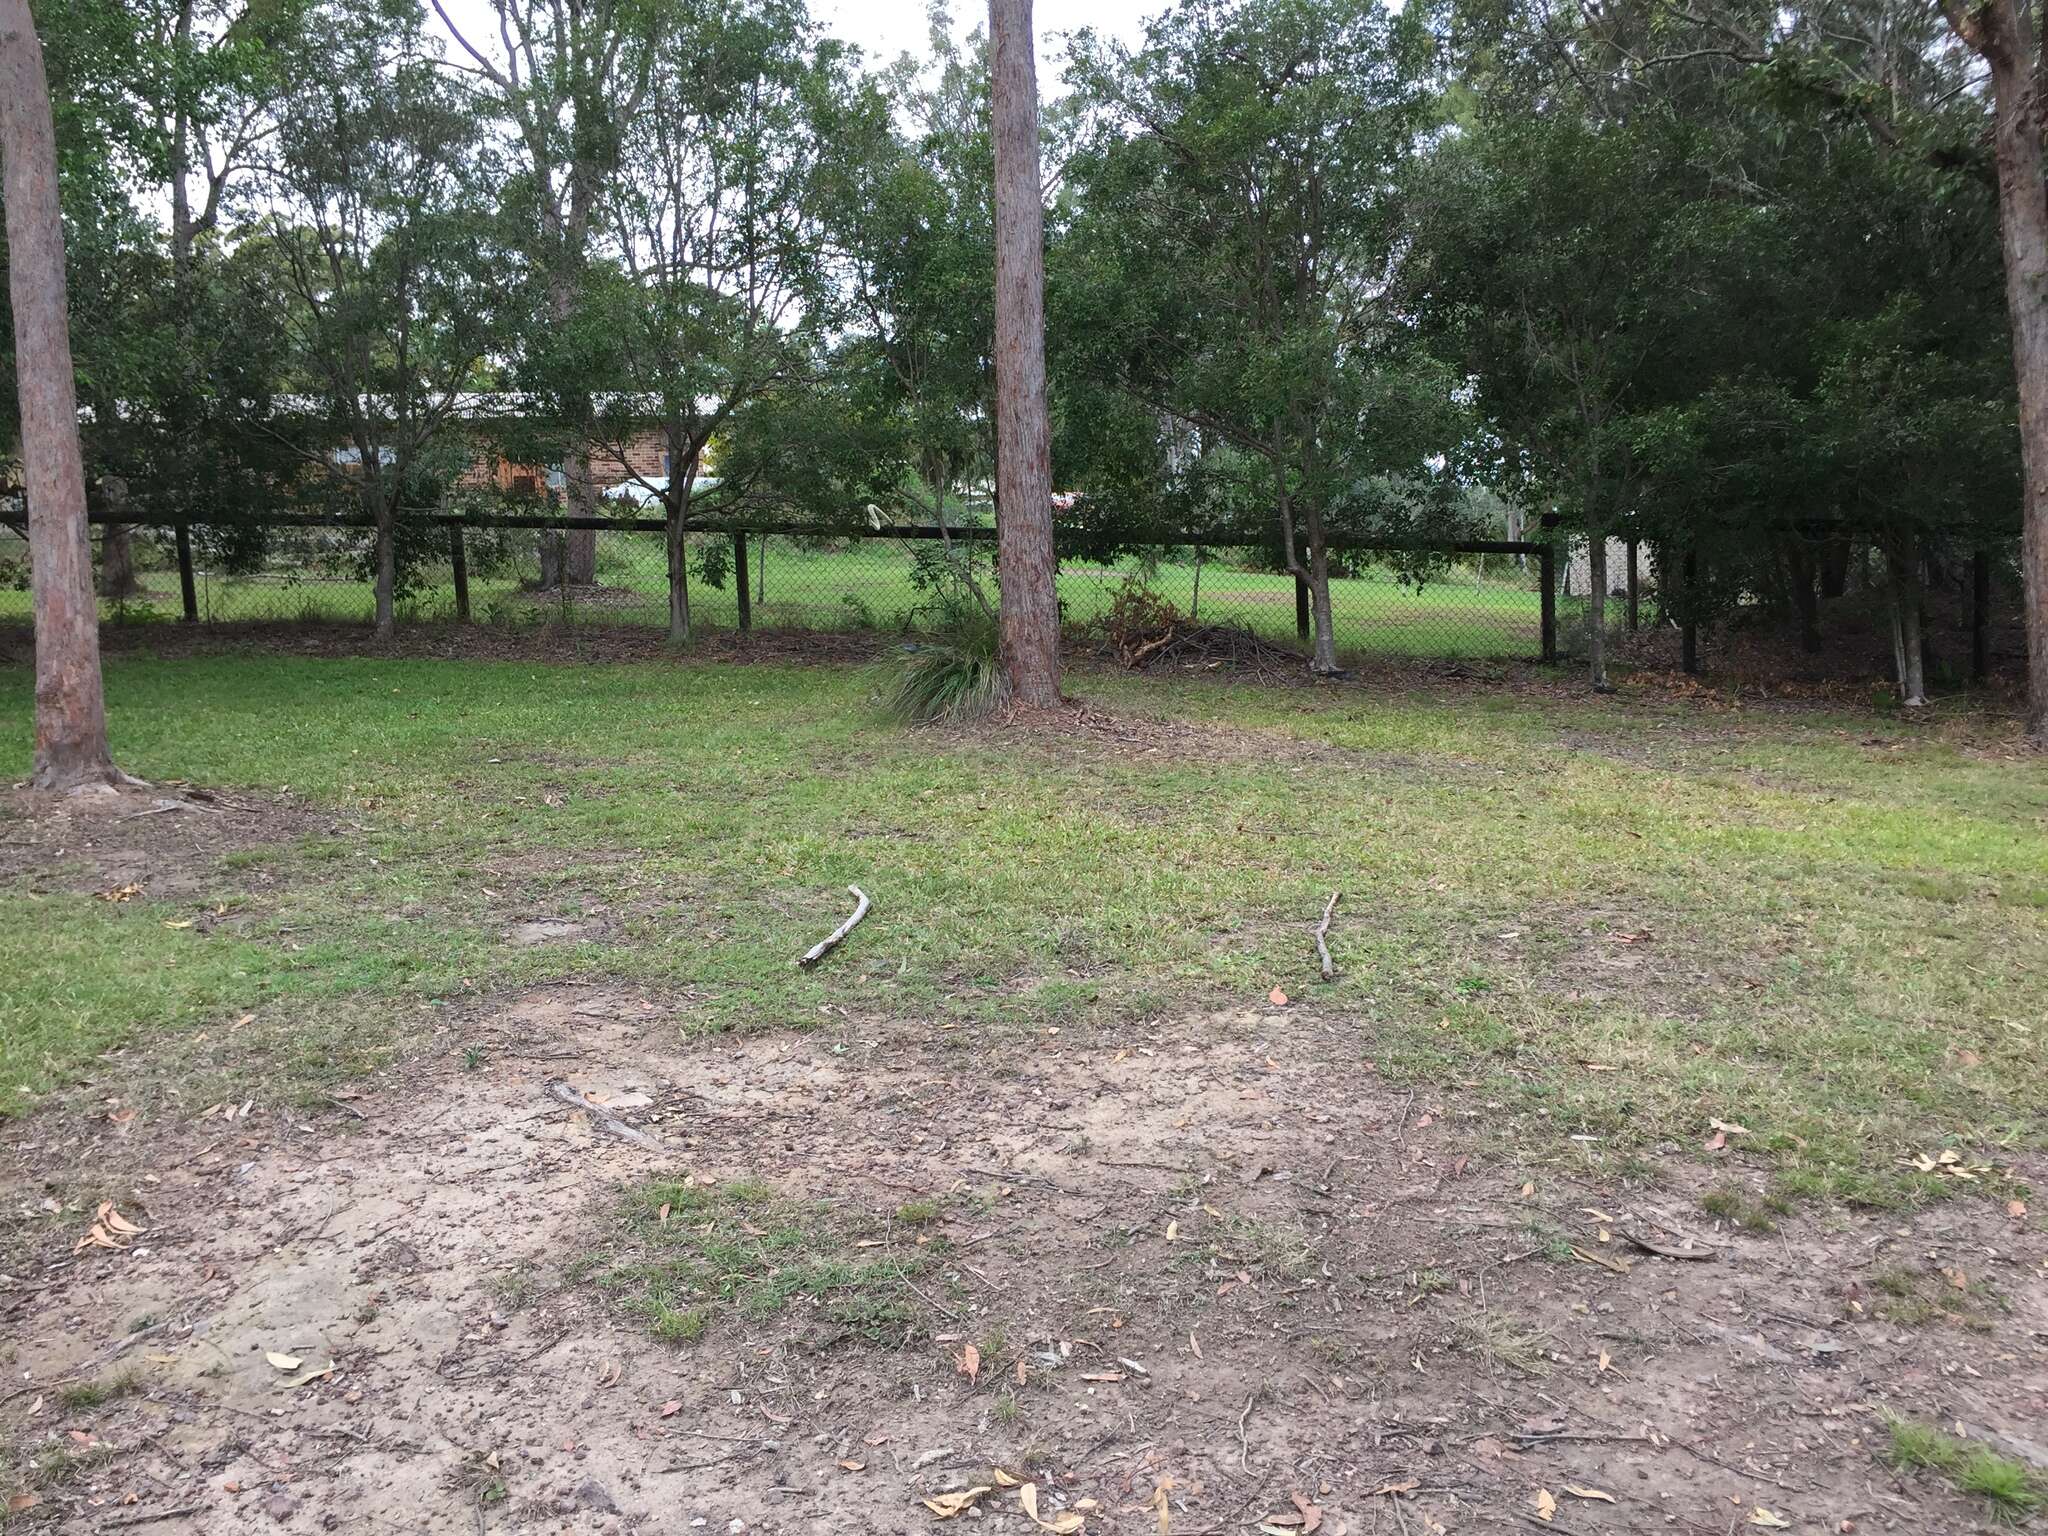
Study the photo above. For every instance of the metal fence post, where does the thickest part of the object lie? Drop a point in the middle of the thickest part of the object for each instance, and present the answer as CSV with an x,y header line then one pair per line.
x,y
1546,575
1300,607
739,570
1634,597
186,586
458,563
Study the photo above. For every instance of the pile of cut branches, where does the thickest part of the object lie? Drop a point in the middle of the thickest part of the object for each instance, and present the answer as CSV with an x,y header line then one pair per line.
x,y
1148,632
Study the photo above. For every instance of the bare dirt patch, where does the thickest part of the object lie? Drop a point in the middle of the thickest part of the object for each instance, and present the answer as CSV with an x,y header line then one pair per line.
x,y
155,840
1219,1257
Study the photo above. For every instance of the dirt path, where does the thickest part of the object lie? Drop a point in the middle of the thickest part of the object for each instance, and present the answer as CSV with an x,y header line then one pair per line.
x,y
1217,1261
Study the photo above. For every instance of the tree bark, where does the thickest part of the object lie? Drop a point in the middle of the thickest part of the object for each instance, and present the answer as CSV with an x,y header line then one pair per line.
x,y
387,569
1596,608
1908,655
71,718
676,507
117,546
1323,659
1030,615
2002,32
578,547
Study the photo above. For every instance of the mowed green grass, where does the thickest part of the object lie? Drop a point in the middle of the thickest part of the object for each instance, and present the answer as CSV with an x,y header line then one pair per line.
x,y
1609,921
1465,612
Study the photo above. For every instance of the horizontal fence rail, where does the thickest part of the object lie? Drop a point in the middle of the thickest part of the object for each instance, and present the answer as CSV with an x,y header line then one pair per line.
x,y
1474,599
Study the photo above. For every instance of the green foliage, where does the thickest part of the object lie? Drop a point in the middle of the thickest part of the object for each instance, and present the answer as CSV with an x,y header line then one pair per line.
x,y
956,679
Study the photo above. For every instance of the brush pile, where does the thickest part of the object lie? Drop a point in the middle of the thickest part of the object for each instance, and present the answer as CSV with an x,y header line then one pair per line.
x,y
1148,633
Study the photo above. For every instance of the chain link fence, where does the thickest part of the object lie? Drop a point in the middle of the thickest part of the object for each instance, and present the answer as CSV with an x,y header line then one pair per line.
x,y
1479,601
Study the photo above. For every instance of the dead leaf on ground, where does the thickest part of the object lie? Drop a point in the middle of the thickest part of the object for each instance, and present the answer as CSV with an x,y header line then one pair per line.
x,y
968,1361
947,1505
1158,1503
671,1408
1589,1493
281,1361
1005,1479
853,1466
1770,1520
1396,1489
609,1373
1546,1504
1277,998
1065,1523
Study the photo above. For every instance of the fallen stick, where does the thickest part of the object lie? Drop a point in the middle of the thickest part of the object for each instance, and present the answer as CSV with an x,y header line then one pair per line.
x,y
602,1117
832,941
1665,1250
1323,937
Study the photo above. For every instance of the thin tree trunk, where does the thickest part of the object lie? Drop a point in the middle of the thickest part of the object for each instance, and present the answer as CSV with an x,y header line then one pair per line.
x,y
2002,31
676,508
387,569
1323,660
1030,615
71,719
1907,655
578,546
117,545
1596,608
761,574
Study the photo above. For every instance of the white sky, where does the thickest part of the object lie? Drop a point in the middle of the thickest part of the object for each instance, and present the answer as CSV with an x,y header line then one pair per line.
x,y
885,28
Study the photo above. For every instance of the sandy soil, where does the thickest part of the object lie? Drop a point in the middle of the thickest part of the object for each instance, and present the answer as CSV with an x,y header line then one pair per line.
x,y
1217,1262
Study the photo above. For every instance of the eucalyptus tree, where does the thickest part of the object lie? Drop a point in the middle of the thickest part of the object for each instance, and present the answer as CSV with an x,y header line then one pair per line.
x,y
712,294
906,196
1030,614
393,285
70,718
1243,198
572,78
1561,320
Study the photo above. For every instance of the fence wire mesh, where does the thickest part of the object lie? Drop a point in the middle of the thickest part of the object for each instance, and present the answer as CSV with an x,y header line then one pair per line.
x,y
1468,606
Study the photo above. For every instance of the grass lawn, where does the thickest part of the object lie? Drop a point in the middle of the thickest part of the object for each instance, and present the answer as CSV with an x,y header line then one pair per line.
x,y
1613,922
439,1113
1466,612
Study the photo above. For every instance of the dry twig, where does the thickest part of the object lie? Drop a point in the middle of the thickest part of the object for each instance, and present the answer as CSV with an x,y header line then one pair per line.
x,y
1323,938
832,941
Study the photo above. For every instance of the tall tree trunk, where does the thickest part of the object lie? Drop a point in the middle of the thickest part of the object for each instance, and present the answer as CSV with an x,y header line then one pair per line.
x,y
1908,655
579,548
1596,608
1323,659
387,569
2002,31
1030,628
1834,568
1800,571
71,716
117,545
675,509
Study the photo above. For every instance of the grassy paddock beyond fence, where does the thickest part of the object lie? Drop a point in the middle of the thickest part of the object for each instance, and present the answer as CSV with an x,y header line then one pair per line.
x,y
1476,606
